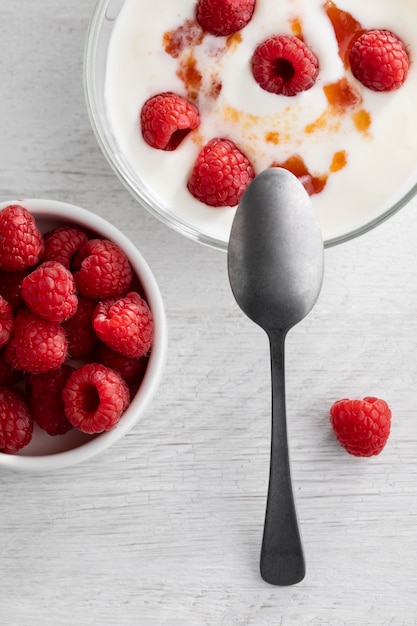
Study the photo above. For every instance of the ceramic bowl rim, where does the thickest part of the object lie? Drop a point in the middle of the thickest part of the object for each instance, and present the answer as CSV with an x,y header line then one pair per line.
x,y
63,211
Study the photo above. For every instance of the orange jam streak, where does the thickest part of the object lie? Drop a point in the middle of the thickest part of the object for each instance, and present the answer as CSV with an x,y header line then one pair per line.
x,y
342,95
233,40
190,76
339,161
272,137
313,183
181,42
295,164
362,120
346,29
319,123
297,28
188,34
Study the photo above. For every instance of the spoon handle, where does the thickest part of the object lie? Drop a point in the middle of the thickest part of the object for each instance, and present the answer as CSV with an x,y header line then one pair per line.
x,y
282,558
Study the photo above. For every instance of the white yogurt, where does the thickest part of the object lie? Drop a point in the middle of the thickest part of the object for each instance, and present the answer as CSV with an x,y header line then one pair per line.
x,y
381,160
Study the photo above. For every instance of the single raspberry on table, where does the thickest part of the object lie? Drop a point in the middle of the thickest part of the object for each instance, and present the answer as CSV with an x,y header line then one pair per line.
x,y
16,424
49,291
221,174
166,119
125,324
379,60
361,426
6,321
11,287
45,400
101,270
283,64
37,345
131,369
224,17
95,398
61,244
21,242
79,330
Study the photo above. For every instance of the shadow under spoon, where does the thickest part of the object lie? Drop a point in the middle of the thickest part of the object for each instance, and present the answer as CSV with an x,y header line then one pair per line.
x,y
275,263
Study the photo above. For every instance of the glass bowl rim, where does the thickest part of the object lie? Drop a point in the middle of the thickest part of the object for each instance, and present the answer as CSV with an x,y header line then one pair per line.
x,y
129,183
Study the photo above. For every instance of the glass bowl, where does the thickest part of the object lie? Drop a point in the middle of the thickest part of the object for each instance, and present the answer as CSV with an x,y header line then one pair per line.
x,y
49,453
212,226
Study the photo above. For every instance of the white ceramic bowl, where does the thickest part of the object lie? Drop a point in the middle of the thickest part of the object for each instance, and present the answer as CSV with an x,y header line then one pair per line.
x,y
337,228
47,453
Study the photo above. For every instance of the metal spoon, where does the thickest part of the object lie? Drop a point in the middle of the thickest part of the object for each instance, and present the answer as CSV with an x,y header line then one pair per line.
x,y
275,264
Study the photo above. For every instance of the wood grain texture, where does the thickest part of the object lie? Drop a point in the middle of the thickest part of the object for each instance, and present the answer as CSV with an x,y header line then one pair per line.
x,y
165,529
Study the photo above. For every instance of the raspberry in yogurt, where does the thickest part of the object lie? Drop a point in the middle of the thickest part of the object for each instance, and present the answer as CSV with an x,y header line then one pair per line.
x,y
353,147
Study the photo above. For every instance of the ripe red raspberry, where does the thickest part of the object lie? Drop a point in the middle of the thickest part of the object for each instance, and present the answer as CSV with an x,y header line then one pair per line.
x,y
102,270
379,60
131,369
37,345
16,424
283,64
361,426
95,398
166,119
8,375
11,287
221,174
6,322
21,242
125,325
23,317
224,17
49,291
61,244
45,400
79,329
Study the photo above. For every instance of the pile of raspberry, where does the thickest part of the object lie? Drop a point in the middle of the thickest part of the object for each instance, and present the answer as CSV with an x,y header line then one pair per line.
x,y
75,330
282,64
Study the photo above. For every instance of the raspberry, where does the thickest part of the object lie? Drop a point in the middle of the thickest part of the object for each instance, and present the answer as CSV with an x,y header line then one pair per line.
x,y
361,426
79,329
224,17
132,370
125,325
283,64
221,174
61,244
95,398
16,424
45,400
11,287
102,270
21,242
37,345
379,60
8,375
49,291
23,316
166,119
6,322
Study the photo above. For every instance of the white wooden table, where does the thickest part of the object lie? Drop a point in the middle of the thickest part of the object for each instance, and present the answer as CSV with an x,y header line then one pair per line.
x,y
165,528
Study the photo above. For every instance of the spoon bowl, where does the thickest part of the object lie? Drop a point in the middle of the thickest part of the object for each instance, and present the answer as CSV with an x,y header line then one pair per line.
x,y
275,255
275,265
